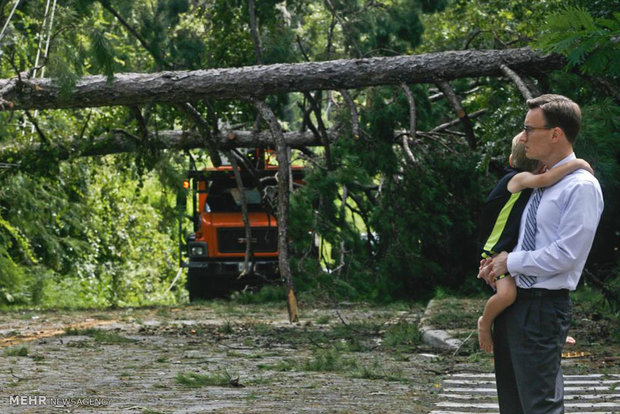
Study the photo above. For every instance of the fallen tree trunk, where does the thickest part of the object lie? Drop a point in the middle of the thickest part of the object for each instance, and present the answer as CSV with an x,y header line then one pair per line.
x,y
119,141
259,81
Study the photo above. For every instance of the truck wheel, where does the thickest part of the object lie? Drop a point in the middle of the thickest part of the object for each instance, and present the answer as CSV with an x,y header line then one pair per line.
x,y
196,285
202,285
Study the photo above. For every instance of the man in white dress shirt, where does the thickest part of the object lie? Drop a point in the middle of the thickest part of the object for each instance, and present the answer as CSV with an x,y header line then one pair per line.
x,y
555,237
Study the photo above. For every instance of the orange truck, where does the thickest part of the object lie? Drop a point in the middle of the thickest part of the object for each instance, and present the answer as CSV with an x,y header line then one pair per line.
x,y
214,252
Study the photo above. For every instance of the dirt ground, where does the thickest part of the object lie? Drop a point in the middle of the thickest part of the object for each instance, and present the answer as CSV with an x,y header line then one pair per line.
x,y
232,358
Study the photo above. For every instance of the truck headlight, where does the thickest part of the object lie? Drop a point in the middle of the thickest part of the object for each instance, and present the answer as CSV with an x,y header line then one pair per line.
x,y
197,250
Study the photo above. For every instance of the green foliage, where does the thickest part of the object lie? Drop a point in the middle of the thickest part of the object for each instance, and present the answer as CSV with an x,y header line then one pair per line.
x,y
103,54
590,46
588,43
102,231
492,24
97,244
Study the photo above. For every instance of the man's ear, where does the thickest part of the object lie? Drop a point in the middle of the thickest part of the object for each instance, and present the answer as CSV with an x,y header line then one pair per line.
x,y
557,134
510,161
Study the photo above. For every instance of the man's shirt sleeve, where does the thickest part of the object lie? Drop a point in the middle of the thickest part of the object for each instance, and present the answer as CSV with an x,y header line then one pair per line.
x,y
580,215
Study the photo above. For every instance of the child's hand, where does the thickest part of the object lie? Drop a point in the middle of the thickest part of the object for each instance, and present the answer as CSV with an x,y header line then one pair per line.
x,y
485,272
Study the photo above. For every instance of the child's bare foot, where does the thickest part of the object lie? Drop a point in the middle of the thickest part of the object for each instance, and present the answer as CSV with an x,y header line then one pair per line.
x,y
484,336
570,340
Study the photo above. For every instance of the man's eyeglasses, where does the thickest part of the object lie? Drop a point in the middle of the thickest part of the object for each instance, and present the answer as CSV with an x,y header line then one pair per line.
x,y
528,129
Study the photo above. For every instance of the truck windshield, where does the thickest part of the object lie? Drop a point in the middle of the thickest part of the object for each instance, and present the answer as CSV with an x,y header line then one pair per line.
x,y
229,199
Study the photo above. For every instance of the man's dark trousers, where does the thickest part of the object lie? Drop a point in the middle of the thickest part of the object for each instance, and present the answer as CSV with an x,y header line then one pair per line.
x,y
528,338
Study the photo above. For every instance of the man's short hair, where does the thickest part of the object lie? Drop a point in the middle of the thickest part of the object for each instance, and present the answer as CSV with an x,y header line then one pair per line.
x,y
559,111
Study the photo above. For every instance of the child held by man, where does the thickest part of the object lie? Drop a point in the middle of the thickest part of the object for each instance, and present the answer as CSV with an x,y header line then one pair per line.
x,y
501,217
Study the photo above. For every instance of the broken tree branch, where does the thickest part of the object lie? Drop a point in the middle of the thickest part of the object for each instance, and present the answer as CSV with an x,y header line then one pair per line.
x,y
244,214
282,153
258,47
448,92
203,126
516,79
449,124
439,95
355,123
40,132
314,104
412,122
118,141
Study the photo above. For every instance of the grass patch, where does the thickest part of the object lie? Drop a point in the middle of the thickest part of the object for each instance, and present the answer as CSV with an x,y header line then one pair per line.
x,y
195,380
376,371
402,335
323,360
101,336
329,360
333,360
268,294
18,351
456,313
226,328
323,320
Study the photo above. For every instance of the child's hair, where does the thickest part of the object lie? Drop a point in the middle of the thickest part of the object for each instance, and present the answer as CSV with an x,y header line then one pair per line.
x,y
519,160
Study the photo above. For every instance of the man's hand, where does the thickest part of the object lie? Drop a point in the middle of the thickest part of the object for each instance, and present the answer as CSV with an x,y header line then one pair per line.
x,y
491,268
500,264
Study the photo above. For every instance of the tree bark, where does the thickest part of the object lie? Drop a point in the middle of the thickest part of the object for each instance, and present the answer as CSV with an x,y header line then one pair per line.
x,y
263,80
412,122
460,112
244,215
120,141
284,165
258,47
516,79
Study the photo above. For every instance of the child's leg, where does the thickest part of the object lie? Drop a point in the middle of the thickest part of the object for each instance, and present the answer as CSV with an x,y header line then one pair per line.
x,y
504,297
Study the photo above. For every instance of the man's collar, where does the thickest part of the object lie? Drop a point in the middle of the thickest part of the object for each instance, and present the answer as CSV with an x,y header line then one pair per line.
x,y
571,156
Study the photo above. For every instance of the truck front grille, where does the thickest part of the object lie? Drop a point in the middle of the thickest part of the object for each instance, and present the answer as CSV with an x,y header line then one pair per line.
x,y
233,240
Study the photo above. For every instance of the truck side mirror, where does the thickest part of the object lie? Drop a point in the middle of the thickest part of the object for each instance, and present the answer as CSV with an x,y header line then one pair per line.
x,y
181,200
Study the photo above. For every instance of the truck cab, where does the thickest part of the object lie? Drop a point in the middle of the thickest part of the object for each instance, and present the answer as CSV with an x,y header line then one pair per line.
x,y
215,251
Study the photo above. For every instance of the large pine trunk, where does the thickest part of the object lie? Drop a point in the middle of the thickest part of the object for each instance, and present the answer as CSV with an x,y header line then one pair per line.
x,y
262,80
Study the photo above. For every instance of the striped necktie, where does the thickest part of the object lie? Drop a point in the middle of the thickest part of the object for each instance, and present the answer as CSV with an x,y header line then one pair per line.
x,y
529,232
